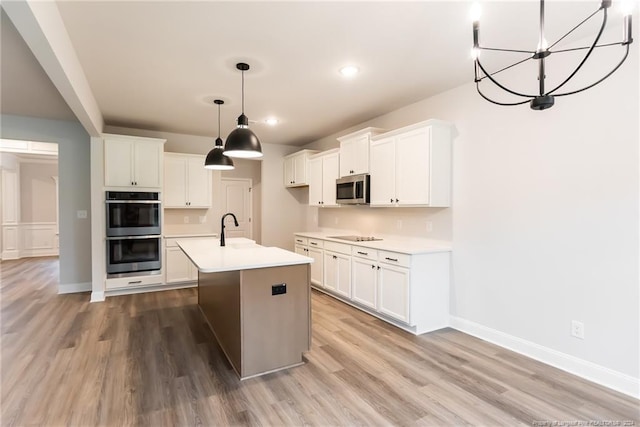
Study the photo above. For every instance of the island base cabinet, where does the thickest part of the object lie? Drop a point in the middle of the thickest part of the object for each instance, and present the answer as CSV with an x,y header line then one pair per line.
x,y
259,332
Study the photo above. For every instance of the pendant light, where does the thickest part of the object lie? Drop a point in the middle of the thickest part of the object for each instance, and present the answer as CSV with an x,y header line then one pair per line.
x,y
242,142
216,159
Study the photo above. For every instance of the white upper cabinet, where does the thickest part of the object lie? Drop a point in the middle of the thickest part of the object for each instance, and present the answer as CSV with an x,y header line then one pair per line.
x,y
187,184
132,162
411,166
354,151
323,172
296,170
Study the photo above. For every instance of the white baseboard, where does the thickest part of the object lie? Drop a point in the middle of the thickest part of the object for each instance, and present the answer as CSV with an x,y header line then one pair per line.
x,y
588,370
153,288
10,254
72,288
97,296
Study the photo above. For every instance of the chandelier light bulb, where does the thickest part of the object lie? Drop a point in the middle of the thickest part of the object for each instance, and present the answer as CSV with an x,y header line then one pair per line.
x,y
475,53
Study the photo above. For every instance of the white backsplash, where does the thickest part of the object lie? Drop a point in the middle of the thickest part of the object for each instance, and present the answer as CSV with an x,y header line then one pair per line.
x,y
381,222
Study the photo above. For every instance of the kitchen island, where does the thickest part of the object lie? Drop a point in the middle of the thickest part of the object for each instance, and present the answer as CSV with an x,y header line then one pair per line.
x,y
256,300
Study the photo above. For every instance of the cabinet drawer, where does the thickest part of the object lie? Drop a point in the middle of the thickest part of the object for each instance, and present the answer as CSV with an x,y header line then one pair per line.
x,y
337,247
304,241
316,243
367,253
134,282
394,258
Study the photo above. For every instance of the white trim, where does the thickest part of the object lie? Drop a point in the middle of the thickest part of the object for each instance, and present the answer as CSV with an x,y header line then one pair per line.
x,y
72,288
144,289
588,370
97,296
10,254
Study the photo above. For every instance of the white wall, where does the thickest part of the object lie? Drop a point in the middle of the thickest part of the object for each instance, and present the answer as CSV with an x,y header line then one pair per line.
x,y
544,219
74,183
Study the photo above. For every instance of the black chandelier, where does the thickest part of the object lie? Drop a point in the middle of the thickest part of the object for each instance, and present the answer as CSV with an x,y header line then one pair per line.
x,y
545,98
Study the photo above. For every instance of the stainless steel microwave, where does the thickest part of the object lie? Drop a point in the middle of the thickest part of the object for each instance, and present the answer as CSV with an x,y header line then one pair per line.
x,y
353,190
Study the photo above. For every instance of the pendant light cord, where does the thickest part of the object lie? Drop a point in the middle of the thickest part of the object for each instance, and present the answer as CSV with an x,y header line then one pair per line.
x,y
242,91
218,121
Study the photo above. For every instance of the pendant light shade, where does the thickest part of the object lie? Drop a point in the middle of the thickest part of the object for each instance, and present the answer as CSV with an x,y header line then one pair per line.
x,y
216,159
242,142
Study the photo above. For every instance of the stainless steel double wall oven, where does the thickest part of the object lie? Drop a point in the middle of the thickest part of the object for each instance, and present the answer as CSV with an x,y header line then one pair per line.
x,y
133,232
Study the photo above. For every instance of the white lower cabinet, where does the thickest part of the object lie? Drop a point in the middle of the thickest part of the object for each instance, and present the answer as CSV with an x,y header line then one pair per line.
x,y
316,267
337,273
364,279
410,291
393,292
178,267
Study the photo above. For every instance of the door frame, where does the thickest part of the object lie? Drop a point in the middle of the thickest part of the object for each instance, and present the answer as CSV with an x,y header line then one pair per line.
x,y
250,182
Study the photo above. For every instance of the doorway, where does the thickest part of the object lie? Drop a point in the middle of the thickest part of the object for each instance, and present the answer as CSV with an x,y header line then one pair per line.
x,y
236,198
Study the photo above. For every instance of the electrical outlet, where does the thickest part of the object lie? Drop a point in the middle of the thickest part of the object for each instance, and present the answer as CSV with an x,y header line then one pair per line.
x,y
186,220
577,329
81,214
429,226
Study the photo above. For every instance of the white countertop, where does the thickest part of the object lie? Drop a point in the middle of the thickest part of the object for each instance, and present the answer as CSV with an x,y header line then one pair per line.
x,y
394,244
177,236
238,254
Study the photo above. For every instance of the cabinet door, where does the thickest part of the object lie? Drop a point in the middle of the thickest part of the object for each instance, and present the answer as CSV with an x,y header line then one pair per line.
x,y
118,163
393,292
178,266
316,266
330,172
315,182
360,162
363,281
330,271
147,163
412,167
343,275
383,172
347,157
301,250
300,170
289,173
175,181
198,183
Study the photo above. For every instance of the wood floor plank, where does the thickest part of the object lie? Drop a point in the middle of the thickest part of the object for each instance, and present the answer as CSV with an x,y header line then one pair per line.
x,y
151,360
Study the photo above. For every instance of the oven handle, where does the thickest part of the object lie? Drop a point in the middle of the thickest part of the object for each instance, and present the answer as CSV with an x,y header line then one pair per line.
x,y
152,236
148,202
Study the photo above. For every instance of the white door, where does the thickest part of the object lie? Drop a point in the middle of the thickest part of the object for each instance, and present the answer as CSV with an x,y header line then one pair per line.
x,y
330,172
315,182
118,163
236,198
316,267
199,183
175,181
343,276
393,292
147,161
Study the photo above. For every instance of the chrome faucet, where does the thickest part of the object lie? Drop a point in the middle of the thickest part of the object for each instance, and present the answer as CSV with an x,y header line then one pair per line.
x,y
222,226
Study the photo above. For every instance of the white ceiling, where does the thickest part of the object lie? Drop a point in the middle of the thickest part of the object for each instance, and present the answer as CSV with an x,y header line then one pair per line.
x,y
158,64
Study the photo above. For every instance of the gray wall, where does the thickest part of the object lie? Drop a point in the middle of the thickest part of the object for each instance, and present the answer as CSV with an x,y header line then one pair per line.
x,y
74,183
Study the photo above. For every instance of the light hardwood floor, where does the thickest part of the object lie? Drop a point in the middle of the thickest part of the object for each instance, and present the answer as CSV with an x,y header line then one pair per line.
x,y
149,359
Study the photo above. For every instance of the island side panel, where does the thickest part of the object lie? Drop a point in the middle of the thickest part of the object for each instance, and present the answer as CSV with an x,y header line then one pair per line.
x,y
276,329
219,301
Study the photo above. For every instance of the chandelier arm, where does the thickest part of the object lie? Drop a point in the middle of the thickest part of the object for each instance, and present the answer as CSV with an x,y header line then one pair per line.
x,y
595,42
624,58
587,47
505,68
507,50
575,28
500,85
504,104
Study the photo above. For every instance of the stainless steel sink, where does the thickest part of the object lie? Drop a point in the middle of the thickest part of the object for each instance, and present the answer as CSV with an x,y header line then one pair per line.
x,y
356,238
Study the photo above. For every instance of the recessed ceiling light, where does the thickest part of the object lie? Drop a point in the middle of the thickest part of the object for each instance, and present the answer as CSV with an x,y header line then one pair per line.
x,y
271,121
349,71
